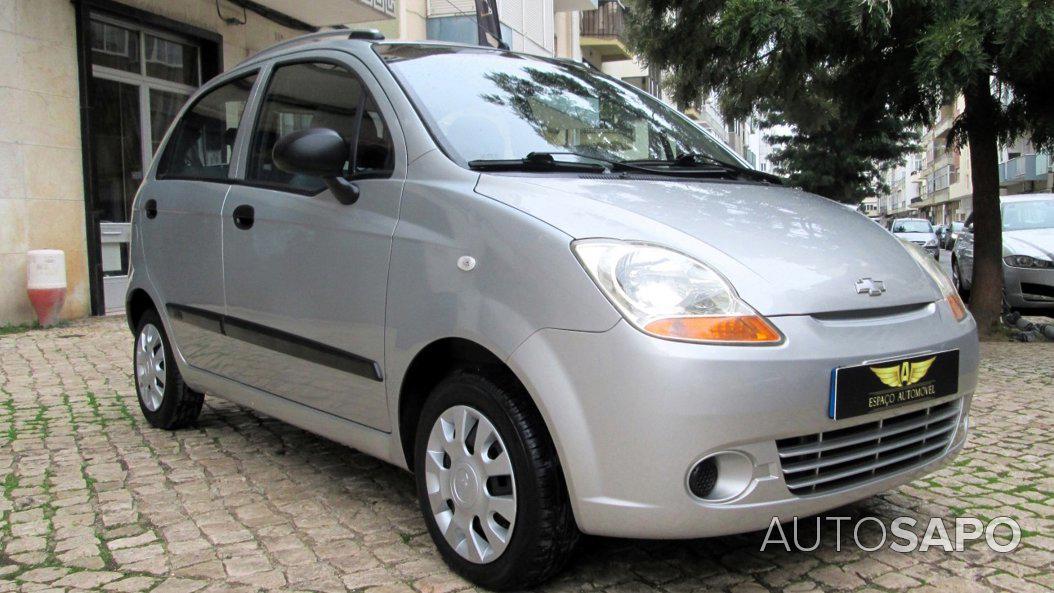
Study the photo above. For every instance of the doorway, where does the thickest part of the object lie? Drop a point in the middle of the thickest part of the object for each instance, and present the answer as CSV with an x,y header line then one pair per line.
x,y
140,78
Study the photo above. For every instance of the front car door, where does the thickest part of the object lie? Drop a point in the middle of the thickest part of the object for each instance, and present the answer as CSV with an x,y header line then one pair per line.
x,y
178,217
306,276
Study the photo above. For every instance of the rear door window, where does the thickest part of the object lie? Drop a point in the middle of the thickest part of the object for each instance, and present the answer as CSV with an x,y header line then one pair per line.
x,y
202,143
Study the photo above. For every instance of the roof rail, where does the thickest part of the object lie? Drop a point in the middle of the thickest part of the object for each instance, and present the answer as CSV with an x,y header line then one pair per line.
x,y
370,34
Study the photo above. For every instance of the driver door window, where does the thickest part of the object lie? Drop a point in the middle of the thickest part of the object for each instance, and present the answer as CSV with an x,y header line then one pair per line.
x,y
318,95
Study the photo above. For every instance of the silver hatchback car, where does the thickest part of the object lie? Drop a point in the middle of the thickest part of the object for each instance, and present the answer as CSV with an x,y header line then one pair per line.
x,y
541,291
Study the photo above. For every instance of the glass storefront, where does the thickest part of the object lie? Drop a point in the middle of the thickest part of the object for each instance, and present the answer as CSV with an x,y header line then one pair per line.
x,y
140,78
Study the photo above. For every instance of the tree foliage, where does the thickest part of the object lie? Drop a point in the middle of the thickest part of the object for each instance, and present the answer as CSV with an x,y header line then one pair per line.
x,y
883,63
841,158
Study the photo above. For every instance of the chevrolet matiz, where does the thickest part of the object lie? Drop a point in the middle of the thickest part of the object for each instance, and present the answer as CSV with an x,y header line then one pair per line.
x,y
540,290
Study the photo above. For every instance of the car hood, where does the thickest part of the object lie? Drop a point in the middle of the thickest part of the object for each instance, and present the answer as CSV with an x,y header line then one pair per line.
x,y
786,252
1034,242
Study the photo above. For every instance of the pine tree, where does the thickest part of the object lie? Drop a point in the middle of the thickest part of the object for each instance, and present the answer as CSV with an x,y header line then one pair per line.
x,y
888,62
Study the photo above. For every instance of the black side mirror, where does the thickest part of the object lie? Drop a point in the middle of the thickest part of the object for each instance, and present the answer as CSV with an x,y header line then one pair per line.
x,y
317,152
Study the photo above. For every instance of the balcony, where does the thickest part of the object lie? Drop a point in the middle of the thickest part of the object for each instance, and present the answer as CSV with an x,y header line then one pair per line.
x,y
942,179
1027,167
945,119
603,31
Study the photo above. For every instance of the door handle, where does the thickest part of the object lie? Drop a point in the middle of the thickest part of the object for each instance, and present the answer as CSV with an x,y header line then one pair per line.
x,y
244,217
150,208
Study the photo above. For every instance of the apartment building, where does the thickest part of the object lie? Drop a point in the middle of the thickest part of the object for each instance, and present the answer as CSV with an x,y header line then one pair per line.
x,y
946,186
904,181
938,184
1024,170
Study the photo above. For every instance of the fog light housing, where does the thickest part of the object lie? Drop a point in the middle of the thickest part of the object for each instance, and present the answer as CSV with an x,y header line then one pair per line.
x,y
703,478
720,476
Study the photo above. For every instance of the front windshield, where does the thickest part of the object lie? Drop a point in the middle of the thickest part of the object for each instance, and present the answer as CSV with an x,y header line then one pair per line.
x,y
487,105
1034,214
912,226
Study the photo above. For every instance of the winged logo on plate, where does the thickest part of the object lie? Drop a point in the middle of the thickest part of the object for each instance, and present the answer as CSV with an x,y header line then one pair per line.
x,y
905,373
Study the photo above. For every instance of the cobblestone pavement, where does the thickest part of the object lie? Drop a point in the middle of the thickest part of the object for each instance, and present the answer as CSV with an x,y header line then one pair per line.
x,y
93,498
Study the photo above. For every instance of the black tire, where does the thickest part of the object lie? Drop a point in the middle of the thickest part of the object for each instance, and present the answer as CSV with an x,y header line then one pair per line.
x,y
180,405
545,532
964,293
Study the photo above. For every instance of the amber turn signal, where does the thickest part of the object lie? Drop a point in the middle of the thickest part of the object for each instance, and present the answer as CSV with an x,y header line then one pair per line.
x,y
957,306
745,329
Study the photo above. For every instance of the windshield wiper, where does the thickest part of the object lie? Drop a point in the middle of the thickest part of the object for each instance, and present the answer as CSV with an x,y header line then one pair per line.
x,y
537,162
702,164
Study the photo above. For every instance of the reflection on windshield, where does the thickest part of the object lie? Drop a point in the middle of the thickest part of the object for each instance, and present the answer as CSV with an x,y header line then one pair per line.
x,y
484,104
1036,214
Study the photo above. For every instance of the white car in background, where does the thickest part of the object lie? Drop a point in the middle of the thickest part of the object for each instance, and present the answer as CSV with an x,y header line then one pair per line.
x,y
918,231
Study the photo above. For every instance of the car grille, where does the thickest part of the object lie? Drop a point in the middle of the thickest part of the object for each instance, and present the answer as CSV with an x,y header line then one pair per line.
x,y
826,461
923,243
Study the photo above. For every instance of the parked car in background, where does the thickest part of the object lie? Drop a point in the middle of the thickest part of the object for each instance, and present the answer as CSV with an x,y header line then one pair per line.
x,y
918,231
951,233
1028,252
527,283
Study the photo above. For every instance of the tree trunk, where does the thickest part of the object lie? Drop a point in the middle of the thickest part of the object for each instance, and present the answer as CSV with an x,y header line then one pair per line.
x,y
986,292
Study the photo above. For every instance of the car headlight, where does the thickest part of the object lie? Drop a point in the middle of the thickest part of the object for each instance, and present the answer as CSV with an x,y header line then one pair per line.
x,y
944,283
931,243
1027,261
670,295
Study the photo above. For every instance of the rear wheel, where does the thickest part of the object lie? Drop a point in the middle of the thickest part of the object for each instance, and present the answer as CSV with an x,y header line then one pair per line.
x,y
489,484
166,402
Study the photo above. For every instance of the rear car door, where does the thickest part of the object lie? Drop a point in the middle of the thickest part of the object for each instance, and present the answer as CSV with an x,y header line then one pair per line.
x,y
178,213
306,276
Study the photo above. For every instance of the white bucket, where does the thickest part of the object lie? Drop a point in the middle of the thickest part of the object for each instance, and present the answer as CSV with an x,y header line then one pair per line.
x,y
46,268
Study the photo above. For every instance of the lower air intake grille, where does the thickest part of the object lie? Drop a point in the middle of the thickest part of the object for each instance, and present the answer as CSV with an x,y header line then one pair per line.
x,y
1037,292
818,463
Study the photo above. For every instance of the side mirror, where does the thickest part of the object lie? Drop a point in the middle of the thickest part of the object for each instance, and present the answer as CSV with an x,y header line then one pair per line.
x,y
317,152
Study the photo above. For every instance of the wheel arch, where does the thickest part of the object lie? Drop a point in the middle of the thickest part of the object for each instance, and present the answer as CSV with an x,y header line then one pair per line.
x,y
428,367
137,303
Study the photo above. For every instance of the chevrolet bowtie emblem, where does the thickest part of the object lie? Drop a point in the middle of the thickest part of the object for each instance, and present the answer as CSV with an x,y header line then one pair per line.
x,y
905,373
869,286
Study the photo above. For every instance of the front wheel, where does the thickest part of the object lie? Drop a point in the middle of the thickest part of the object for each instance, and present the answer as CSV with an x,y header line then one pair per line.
x,y
489,483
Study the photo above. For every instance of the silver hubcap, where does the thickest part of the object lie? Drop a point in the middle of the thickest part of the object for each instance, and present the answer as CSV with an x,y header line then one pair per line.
x,y
471,488
150,367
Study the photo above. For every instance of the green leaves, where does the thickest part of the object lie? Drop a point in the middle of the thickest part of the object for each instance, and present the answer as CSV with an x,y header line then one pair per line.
x,y
844,73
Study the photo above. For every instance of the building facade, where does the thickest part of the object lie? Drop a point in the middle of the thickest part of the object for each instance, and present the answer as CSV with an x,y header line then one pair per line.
x,y
89,88
937,184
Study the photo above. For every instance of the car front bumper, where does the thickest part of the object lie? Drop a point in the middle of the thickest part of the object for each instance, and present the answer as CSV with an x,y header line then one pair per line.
x,y
1029,288
631,414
